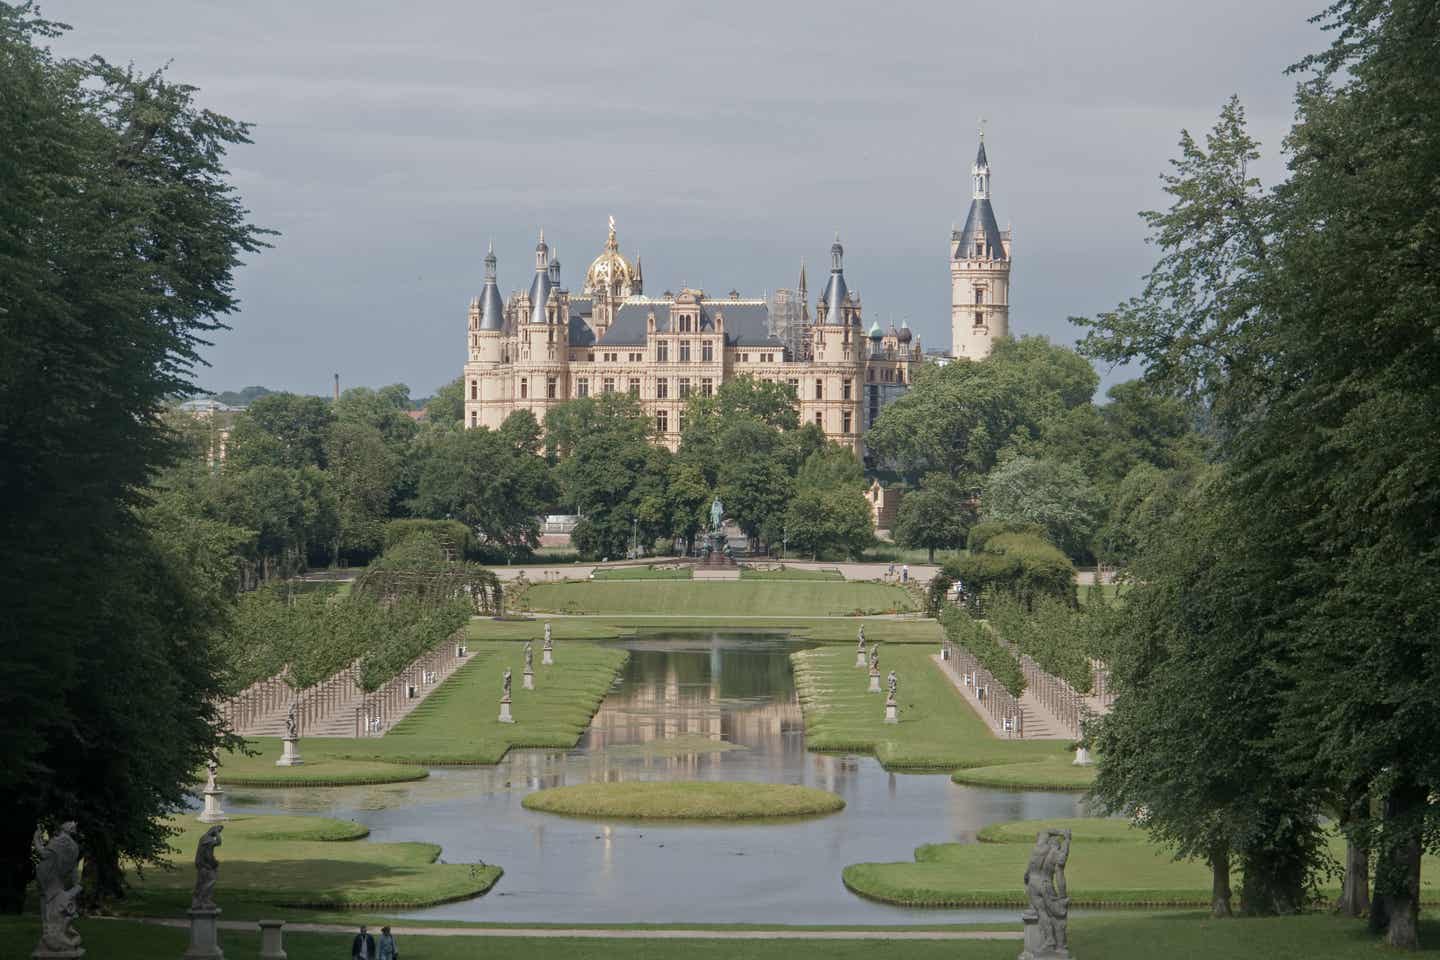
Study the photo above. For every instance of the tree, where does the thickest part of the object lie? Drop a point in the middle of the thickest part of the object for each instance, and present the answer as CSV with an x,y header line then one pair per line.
x,y
281,430
119,235
936,517
957,419
1056,496
448,404
362,477
829,513
603,474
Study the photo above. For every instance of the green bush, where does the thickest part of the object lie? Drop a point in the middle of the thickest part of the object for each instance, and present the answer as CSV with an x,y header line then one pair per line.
x,y
451,534
1021,565
982,533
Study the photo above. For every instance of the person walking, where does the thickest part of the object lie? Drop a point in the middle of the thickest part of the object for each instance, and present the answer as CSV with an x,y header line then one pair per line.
x,y
388,950
363,946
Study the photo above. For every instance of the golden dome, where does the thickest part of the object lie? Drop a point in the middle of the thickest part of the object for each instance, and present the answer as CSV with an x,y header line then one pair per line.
x,y
610,273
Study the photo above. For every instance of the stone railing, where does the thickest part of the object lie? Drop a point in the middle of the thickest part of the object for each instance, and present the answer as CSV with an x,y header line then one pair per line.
x,y
1006,714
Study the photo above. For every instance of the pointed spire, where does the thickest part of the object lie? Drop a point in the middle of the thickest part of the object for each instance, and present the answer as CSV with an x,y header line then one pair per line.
x,y
639,277
980,173
492,308
490,261
803,286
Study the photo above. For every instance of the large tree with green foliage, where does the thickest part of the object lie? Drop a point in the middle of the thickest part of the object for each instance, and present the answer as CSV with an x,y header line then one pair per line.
x,y
1053,495
1304,318
935,517
957,419
119,234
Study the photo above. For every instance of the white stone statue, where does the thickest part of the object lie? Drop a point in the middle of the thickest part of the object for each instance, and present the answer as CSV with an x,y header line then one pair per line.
x,y
207,869
1045,889
547,634
860,641
506,681
875,657
292,721
55,875
529,657
893,681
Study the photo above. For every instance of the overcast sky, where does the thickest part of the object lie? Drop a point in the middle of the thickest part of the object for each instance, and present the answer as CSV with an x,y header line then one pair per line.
x,y
393,141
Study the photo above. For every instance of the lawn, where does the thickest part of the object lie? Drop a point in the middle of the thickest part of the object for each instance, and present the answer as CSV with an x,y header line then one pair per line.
x,y
684,800
750,597
937,730
790,573
884,630
1117,936
270,863
1111,864
459,722
642,573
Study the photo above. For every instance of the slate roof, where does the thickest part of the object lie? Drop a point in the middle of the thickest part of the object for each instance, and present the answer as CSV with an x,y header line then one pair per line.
x,y
980,160
492,308
981,219
540,289
746,324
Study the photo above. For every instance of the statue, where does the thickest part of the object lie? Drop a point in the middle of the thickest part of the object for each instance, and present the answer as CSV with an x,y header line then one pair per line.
x,y
893,681
55,874
717,513
875,657
529,656
860,640
547,633
207,869
292,721
1045,888
210,768
506,681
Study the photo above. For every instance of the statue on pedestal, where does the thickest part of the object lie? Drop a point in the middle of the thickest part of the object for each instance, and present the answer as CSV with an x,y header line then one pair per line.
x,y
292,721
506,681
717,513
529,657
207,869
55,875
1045,889
893,681
875,657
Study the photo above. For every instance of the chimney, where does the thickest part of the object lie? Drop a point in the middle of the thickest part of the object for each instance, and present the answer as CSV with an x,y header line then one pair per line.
x,y
337,388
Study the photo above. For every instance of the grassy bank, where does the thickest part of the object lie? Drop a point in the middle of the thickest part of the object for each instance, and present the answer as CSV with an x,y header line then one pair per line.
x,y
684,800
883,630
1127,936
790,573
1111,865
306,863
937,728
794,598
641,573
459,722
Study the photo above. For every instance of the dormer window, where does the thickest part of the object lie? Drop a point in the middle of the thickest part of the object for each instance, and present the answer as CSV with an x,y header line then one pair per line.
x,y
979,249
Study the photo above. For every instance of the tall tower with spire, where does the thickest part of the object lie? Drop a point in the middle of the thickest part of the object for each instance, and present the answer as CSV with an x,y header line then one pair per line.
x,y
979,272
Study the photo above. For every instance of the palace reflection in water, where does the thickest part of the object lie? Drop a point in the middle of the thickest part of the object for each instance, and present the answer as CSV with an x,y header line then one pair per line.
x,y
716,706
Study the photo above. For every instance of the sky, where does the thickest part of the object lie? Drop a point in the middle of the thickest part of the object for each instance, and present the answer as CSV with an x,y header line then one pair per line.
x,y
394,141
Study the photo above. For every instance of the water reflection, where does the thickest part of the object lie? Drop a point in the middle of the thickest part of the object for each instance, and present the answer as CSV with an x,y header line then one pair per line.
x,y
699,706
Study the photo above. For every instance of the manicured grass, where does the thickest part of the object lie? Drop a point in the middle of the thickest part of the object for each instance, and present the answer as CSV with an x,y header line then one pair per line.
x,y
838,630
801,598
684,800
562,629
937,728
789,573
1050,773
1116,936
459,722
319,769
642,573
1111,864
307,863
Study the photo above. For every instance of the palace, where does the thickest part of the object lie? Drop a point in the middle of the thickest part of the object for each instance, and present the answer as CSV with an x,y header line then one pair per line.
x,y
546,344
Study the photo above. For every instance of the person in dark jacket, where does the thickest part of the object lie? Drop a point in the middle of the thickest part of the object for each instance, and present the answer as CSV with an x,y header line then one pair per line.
x,y
363,946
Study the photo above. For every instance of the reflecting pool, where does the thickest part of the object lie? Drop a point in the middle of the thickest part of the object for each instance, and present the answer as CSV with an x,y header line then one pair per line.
x,y
692,706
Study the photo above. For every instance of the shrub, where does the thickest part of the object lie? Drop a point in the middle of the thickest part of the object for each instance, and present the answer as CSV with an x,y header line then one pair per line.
x,y
1019,564
982,533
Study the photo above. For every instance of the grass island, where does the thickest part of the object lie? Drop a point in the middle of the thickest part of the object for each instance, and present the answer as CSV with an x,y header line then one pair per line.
x,y
684,800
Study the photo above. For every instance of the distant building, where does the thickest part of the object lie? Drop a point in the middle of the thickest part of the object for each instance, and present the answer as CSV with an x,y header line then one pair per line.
x,y
545,344
884,504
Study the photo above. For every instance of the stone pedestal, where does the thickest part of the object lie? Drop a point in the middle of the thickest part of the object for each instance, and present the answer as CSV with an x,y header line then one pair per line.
x,y
1035,942
290,755
892,712
860,658
41,952
204,936
271,945
546,658
1082,757
212,812
527,680
505,711
874,681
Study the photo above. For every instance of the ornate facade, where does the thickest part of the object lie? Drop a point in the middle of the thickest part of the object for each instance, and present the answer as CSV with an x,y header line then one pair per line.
x,y
545,344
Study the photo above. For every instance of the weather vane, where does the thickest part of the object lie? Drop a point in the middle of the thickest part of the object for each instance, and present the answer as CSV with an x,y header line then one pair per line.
x,y
983,121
